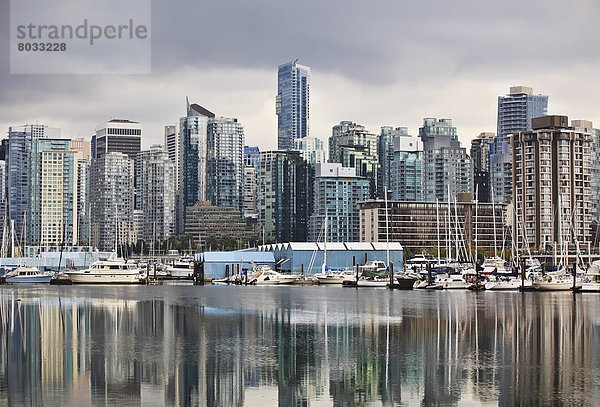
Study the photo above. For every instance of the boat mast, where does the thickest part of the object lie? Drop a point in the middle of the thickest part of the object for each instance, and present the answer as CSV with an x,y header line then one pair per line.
x,y
476,205
449,229
387,231
437,213
494,221
324,268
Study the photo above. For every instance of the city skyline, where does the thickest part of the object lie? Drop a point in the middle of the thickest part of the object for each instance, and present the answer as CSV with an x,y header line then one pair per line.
x,y
371,76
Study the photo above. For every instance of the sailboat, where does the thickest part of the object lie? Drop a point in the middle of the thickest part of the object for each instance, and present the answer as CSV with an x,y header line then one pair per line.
x,y
328,275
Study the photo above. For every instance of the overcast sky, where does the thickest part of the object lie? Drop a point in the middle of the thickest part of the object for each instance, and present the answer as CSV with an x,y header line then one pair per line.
x,y
381,62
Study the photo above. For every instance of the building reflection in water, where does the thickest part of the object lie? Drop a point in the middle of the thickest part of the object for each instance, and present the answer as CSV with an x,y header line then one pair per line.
x,y
297,347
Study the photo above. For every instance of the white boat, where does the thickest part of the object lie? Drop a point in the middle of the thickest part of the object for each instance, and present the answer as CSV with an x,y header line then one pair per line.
x,y
591,279
507,284
558,281
182,268
373,268
26,274
373,282
331,276
454,282
109,271
418,263
263,275
493,265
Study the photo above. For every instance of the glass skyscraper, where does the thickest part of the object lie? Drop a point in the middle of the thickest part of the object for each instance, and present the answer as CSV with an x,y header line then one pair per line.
x,y
515,112
293,90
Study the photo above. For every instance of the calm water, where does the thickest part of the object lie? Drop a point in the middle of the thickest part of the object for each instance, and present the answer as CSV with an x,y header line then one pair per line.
x,y
295,346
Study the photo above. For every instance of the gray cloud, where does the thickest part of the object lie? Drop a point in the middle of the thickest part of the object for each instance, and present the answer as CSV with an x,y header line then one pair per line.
x,y
379,63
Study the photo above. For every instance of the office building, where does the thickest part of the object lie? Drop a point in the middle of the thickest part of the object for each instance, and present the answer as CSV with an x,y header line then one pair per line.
x,y
205,220
111,205
515,112
251,155
551,178
18,152
448,169
284,195
292,104
52,193
157,192
421,225
119,136
407,170
83,146
225,162
337,192
480,155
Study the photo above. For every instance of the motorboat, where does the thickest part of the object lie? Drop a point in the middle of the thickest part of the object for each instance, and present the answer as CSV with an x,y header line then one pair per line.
x,y
335,276
493,265
28,274
405,281
373,268
112,270
419,263
507,284
182,268
454,282
263,274
591,278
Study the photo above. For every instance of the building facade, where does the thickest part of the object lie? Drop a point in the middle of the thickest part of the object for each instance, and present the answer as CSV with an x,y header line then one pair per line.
x,y
111,203
337,192
480,158
421,225
407,170
448,169
117,136
226,162
356,147
17,169
552,189
52,193
292,104
385,153
284,195
157,192
312,150
515,112
193,171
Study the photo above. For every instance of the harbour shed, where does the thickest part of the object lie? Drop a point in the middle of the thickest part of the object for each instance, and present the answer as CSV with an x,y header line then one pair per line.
x,y
297,257
218,264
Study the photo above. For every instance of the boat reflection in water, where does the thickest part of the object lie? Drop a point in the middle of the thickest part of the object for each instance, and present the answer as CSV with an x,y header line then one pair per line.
x,y
254,346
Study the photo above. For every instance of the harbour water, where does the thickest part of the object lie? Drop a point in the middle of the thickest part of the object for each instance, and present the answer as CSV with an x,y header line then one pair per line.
x,y
295,346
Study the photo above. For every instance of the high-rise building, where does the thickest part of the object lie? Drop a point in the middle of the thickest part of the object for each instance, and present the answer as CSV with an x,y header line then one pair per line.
x,y
19,149
337,193
385,152
356,147
52,193
111,202
312,149
119,136
225,162
157,192
251,155
193,170
284,195
407,168
515,112
172,146
551,181
292,104
82,145
586,126
447,165
83,199
480,158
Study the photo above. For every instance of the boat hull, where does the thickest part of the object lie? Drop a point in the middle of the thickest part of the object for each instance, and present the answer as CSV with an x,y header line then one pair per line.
x,y
104,278
30,279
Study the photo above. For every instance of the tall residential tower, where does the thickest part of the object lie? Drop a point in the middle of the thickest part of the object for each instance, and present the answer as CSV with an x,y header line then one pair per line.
x,y
291,105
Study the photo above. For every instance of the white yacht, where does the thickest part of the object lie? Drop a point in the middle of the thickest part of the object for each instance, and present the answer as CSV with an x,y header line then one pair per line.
x,y
333,276
182,268
263,274
25,274
557,281
109,271
493,265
